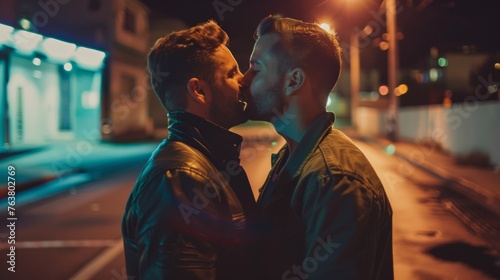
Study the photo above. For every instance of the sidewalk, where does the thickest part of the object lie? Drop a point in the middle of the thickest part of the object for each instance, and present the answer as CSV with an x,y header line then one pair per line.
x,y
64,164
482,185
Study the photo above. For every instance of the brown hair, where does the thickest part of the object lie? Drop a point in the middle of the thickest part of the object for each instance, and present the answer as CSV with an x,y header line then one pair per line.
x,y
305,45
180,56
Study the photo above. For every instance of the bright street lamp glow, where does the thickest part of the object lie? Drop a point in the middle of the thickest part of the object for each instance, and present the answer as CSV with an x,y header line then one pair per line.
x,y
325,26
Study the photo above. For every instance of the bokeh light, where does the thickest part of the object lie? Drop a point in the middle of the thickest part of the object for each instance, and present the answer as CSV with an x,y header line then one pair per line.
x,y
36,61
443,62
383,90
433,74
384,45
390,149
402,89
68,66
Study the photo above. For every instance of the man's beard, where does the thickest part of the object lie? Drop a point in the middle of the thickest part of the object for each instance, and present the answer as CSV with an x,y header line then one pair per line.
x,y
267,105
227,114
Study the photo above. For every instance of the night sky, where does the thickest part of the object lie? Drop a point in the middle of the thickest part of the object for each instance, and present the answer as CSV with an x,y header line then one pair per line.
x,y
446,24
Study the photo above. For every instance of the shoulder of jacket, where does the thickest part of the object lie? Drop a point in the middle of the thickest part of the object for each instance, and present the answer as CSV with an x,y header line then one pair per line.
x,y
338,155
182,157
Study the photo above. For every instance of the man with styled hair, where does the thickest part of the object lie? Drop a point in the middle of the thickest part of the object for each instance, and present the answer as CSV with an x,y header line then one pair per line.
x,y
328,212
188,213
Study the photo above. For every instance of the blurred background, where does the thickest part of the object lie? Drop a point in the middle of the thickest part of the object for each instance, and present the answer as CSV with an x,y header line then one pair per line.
x,y
418,93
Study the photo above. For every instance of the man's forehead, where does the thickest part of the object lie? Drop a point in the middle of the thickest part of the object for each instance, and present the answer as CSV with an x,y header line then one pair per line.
x,y
224,55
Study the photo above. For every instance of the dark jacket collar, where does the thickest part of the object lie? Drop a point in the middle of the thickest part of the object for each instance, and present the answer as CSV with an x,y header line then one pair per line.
x,y
310,141
217,143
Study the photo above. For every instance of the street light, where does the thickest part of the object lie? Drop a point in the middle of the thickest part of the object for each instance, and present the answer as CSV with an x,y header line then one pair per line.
x,y
353,13
392,117
354,71
325,26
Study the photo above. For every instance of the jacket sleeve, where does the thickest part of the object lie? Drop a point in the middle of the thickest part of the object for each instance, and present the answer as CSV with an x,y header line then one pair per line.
x,y
337,212
181,222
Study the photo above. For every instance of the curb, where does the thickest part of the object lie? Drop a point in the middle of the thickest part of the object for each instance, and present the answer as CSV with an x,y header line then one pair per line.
x,y
483,197
7,153
20,187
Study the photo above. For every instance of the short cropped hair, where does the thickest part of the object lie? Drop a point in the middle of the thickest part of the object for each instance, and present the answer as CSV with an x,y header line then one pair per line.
x,y
305,45
180,56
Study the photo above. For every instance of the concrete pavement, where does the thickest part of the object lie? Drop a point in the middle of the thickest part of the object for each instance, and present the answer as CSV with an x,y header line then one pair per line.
x,y
471,193
36,166
480,184
47,170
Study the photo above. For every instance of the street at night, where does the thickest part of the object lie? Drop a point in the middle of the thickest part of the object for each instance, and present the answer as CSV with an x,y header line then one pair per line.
x,y
76,234
90,88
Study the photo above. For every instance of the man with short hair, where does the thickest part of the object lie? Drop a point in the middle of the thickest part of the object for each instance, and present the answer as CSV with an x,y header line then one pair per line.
x,y
188,213
328,212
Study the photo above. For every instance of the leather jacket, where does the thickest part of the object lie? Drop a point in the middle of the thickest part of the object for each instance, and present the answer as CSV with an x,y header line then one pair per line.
x,y
187,214
329,215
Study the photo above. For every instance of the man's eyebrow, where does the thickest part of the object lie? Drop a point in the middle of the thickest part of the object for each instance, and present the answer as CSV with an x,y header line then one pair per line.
x,y
234,68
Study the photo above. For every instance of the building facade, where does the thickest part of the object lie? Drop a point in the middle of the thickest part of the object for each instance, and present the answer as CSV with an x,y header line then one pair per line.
x,y
73,69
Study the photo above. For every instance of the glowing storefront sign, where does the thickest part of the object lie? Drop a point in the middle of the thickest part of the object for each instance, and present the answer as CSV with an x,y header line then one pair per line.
x,y
58,50
5,33
89,58
26,43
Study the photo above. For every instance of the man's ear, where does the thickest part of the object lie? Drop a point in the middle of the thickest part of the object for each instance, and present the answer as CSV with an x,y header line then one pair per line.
x,y
197,90
294,80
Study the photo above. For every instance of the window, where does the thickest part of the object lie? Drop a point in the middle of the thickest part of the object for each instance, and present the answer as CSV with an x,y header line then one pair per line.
x,y
65,101
129,21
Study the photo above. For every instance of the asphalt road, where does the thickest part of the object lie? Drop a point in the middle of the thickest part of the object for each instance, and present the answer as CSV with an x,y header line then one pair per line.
x,y
76,235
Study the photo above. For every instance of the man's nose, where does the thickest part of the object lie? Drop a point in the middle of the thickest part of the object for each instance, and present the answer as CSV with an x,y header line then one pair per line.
x,y
239,76
247,78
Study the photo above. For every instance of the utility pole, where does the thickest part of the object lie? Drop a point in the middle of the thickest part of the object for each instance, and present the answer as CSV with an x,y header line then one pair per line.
x,y
392,114
354,68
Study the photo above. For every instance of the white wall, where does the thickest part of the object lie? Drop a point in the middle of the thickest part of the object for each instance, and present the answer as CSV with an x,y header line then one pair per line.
x,y
460,129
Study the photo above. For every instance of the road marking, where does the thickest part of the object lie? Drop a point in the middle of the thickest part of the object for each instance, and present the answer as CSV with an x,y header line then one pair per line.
x,y
61,244
99,262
